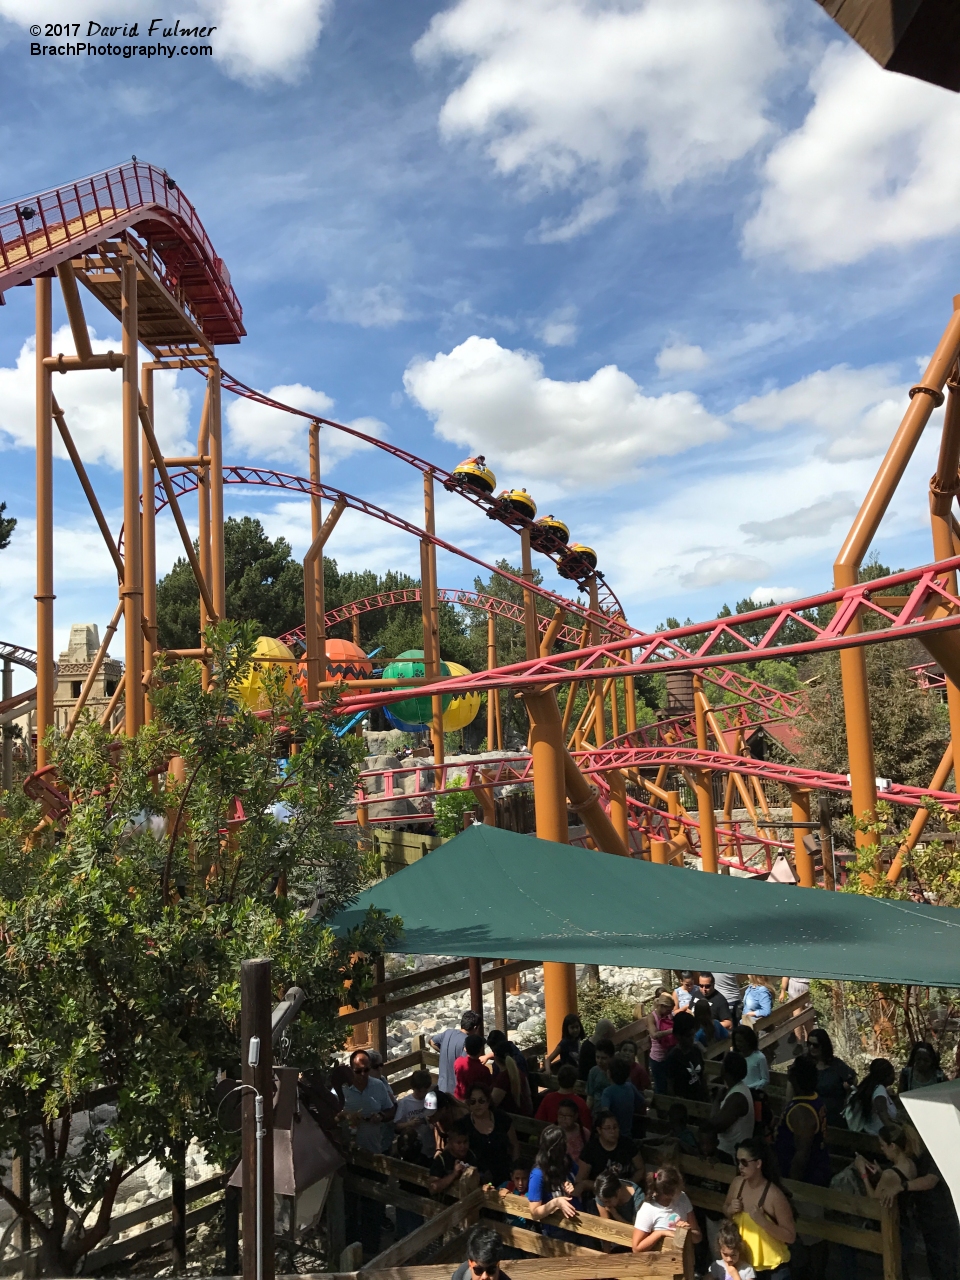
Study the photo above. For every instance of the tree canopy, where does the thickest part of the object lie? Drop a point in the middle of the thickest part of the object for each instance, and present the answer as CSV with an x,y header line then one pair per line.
x,y
7,526
180,852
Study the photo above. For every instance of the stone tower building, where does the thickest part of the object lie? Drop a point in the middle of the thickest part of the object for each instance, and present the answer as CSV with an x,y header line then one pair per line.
x,y
74,665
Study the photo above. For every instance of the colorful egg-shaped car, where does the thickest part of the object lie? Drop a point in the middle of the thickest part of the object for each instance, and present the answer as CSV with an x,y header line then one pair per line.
x,y
473,473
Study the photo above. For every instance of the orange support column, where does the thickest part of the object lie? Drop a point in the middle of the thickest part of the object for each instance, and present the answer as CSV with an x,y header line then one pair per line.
x,y
46,670
550,804
800,804
149,538
132,563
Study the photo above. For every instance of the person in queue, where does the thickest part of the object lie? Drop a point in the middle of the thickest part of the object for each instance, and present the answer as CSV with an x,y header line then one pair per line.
x,y
367,1105
870,1106
662,1039
665,1208
568,1047
933,1211
759,1208
552,1185
484,1252
449,1044
734,1118
745,1042
491,1136
835,1079
608,1148
684,1065
800,1141
566,1090
568,1118
710,1030
923,1068
757,999
587,1060
715,998
687,992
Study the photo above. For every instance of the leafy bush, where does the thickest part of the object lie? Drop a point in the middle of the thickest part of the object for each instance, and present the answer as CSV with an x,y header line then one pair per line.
x,y
602,1001
448,810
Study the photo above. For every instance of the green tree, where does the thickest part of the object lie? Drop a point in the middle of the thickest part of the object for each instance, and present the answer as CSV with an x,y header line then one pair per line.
x,y
7,526
264,585
125,919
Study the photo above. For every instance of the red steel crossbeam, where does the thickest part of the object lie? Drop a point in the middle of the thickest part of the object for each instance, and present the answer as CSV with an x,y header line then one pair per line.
x,y
928,676
718,643
70,220
186,482
486,502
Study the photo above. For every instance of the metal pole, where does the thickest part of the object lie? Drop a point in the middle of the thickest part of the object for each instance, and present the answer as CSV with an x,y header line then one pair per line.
x,y
256,1007
531,631
217,579
432,616
800,805
46,677
7,728
550,806
149,539
491,664
826,844
203,517
853,668
476,989
703,785
316,523
132,563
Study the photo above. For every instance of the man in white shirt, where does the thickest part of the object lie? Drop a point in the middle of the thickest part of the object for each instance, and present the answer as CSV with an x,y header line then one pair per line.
x,y
450,1046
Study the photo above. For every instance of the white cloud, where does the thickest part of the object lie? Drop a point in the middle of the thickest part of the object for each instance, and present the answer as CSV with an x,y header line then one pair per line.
x,y
250,44
854,411
91,405
593,432
596,208
763,595
265,434
561,88
806,522
378,307
724,566
560,329
872,165
681,357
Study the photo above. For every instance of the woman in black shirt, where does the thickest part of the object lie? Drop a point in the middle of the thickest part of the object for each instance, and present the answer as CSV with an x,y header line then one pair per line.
x,y
492,1137
608,1149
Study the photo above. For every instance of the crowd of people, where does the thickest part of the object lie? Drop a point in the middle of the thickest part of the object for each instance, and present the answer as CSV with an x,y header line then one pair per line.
x,y
589,1158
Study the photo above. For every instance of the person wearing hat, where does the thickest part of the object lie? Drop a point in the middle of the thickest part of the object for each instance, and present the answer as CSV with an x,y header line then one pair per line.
x,y
662,1039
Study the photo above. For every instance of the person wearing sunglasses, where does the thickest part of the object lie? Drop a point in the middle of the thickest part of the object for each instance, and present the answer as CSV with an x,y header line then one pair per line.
x,y
758,1205
366,1105
484,1251
491,1134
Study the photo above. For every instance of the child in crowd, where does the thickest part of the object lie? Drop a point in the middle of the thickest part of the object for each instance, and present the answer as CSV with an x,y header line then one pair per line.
x,y
516,1185
639,1075
618,1199
568,1118
680,1130
666,1207
450,1164
687,992
566,1089
622,1097
599,1077
731,1264
469,1070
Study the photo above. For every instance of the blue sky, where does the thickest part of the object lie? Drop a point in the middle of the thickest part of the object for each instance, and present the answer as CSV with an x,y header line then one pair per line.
x,y
672,267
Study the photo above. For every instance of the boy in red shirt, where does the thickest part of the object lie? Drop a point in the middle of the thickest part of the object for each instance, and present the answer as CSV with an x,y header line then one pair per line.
x,y
566,1080
469,1070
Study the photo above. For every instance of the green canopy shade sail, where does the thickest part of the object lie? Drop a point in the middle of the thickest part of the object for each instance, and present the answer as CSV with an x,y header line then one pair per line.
x,y
494,893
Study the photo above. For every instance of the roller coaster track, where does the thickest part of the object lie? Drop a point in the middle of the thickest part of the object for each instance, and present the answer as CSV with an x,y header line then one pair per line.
x,y
494,509
720,643
752,695
39,232
23,658
186,482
